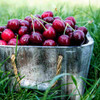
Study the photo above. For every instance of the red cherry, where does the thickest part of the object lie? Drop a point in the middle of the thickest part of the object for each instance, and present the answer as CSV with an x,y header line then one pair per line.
x,y
28,18
70,35
58,25
23,30
37,25
76,27
2,42
64,40
68,30
57,17
2,28
49,33
7,34
13,24
78,36
70,23
13,41
47,14
83,29
20,20
24,23
49,42
38,16
47,26
48,19
24,40
72,19
36,38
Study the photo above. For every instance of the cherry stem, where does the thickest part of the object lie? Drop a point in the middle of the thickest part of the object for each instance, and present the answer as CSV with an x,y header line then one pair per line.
x,y
32,23
89,22
44,21
65,29
16,46
70,27
39,21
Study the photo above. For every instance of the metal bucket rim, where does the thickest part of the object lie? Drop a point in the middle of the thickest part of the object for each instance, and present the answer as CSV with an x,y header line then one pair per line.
x,y
90,42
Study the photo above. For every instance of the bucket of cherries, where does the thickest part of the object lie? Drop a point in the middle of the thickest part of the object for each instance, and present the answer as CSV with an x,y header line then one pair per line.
x,y
43,30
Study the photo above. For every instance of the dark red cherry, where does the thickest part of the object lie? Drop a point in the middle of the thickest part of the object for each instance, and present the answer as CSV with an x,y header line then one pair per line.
x,y
20,20
23,30
64,40
24,23
83,29
78,36
76,27
2,42
13,24
68,30
49,33
48,19
70,35
72,19
2,28
49,42
37,25
38,16
13,41
36,38
28,18
57,17
70,23
47,14
24,40
7,34
58,25
48,25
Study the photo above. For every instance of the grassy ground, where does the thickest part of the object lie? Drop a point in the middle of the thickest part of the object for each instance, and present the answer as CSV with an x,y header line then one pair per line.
x,y
83,12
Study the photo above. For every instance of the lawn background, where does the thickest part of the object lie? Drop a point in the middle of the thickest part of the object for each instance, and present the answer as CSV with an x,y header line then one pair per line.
x,y
83,11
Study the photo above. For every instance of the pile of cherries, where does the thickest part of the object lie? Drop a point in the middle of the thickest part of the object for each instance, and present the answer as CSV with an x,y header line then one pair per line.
x,y
43,30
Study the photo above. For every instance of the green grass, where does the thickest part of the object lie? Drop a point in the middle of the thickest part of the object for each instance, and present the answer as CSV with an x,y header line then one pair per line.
x,y
82,13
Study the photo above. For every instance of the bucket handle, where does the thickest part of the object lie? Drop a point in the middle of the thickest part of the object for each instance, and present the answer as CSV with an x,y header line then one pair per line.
x,y
60,58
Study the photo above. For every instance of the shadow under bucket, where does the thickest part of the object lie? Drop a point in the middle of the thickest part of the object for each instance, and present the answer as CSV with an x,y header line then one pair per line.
x,y
39,64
